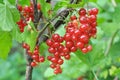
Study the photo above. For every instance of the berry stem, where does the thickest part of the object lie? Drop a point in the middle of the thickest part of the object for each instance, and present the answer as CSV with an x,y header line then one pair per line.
x,y
95,75
111,42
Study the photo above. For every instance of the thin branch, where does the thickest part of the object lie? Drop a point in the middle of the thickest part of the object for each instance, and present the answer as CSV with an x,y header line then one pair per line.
x,y
111,42
95,75
35,13
29,68
48,1
114,3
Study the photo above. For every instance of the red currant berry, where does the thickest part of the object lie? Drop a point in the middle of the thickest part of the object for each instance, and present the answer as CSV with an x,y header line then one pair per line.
x,y
82,12
33,64
73,17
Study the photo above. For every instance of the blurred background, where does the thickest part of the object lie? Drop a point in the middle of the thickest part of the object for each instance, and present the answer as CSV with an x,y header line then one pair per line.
x,y
103,62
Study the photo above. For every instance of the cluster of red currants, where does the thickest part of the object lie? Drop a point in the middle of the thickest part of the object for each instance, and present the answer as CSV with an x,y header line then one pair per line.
x,y
35,55
78,33
28,13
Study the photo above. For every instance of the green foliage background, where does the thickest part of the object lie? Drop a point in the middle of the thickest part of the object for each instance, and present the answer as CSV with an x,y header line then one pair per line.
x,y
103,62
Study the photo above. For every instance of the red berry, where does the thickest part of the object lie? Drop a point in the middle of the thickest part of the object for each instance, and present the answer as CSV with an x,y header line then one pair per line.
x,y
49,42
51,50
84,38
89,47
83,20
56,44
41,59
73,17
35,57
19,7
80,45
93,11
65,50
54,60
84,27
92,18
82,12
52,65
55,37
67,57
49,57
67,37
27,9
84,50
38,6
60,61
33,64
69,44
73,49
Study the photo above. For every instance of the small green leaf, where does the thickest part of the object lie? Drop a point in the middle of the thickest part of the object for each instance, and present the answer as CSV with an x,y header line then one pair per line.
x,y
5,44
29,37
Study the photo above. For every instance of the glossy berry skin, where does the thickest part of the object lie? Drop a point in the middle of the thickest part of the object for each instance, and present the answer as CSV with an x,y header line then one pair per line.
x,y
49,42
84,38
33,64
55,37
82,12
84,50
93,11
73,18
83,19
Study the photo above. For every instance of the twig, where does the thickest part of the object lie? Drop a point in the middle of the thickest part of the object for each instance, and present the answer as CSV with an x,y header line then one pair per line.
x,y
35,13
48,1
111,42
29,68
95,75
114,3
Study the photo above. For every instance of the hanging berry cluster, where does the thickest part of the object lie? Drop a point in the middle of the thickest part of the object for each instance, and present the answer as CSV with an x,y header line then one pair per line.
x,y
35,55
28,13
78,33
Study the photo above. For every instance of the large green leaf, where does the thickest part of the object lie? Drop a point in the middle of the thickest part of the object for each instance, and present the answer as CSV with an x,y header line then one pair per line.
x,y
5,44
93,57
6,18
110,28
116,16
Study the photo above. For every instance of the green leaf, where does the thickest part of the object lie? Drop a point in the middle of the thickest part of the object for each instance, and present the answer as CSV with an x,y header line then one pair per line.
x,y
111,26
49,72
1,1
24,2
29,37
14,11
93,57
60,5
115,50
45,7
5,44
7,22
116,17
